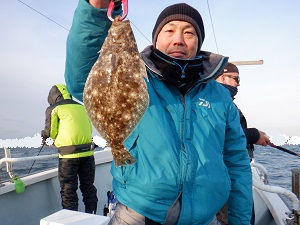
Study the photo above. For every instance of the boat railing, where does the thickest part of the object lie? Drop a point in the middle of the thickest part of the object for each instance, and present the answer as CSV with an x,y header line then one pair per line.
x,y
9,160
292,217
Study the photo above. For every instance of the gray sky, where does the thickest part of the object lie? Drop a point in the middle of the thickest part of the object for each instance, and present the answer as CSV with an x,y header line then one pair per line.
x,y
33,55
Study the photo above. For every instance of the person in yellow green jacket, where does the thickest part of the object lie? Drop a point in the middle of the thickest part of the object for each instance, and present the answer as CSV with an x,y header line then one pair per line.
x,y
68,124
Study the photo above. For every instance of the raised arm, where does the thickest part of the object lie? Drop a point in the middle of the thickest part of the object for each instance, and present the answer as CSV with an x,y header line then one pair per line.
x,y
86,36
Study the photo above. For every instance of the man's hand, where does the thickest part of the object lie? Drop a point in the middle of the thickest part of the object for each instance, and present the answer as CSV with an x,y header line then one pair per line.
x,y
263,139
44,141
101,4
44,138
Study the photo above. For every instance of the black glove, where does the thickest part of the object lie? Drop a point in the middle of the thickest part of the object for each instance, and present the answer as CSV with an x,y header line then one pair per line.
x,y
44,141
44,137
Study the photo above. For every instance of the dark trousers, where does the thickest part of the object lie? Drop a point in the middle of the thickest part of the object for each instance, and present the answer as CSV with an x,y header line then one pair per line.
x,y
223,219
69,171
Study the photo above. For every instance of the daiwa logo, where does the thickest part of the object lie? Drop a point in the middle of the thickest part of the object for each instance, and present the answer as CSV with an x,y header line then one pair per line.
x,y
204,103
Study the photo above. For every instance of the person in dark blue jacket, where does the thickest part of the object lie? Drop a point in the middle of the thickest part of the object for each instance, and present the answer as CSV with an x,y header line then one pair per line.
x,y
189,145
230,79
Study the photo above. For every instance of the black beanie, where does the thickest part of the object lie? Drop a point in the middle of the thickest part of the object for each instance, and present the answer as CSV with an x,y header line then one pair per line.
x,y
181,12
230,68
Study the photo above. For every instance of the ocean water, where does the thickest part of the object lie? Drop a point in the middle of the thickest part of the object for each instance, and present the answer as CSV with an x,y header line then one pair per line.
x,y
277,163
23,168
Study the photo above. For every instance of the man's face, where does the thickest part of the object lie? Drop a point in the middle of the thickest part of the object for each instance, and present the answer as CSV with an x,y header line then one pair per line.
x,y
231,79
178,39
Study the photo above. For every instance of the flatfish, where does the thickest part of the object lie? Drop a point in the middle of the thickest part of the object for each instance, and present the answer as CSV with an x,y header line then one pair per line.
x,y
115,93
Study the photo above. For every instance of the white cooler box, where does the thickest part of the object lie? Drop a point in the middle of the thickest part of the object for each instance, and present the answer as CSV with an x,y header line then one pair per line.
x,y
68,217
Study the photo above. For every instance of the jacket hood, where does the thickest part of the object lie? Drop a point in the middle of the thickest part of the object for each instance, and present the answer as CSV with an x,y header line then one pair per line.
x,y
58,93
213,63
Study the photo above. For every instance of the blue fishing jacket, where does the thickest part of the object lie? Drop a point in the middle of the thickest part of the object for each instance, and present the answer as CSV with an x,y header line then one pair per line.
x,y
190,149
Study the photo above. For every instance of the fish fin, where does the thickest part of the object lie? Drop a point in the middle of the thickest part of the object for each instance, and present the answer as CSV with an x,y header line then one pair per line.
x,y
126,159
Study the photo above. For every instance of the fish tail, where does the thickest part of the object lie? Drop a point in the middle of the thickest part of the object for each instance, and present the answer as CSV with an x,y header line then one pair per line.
x,y
122,157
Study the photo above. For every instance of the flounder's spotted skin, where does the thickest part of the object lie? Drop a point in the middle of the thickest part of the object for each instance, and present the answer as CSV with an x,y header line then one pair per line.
x,y
115,93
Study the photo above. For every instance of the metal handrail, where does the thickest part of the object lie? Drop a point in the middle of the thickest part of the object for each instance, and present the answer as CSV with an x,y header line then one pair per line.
x,y
8,160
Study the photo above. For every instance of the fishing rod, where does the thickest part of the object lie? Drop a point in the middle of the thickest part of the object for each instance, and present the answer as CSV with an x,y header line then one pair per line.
x,y
37,155
284,149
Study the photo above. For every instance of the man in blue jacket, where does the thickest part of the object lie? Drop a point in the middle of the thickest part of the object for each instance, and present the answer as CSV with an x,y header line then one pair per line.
x,y
189,145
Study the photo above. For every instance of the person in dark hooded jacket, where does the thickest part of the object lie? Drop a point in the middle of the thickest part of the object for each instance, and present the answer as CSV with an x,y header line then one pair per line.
x,y
230,79
68,124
